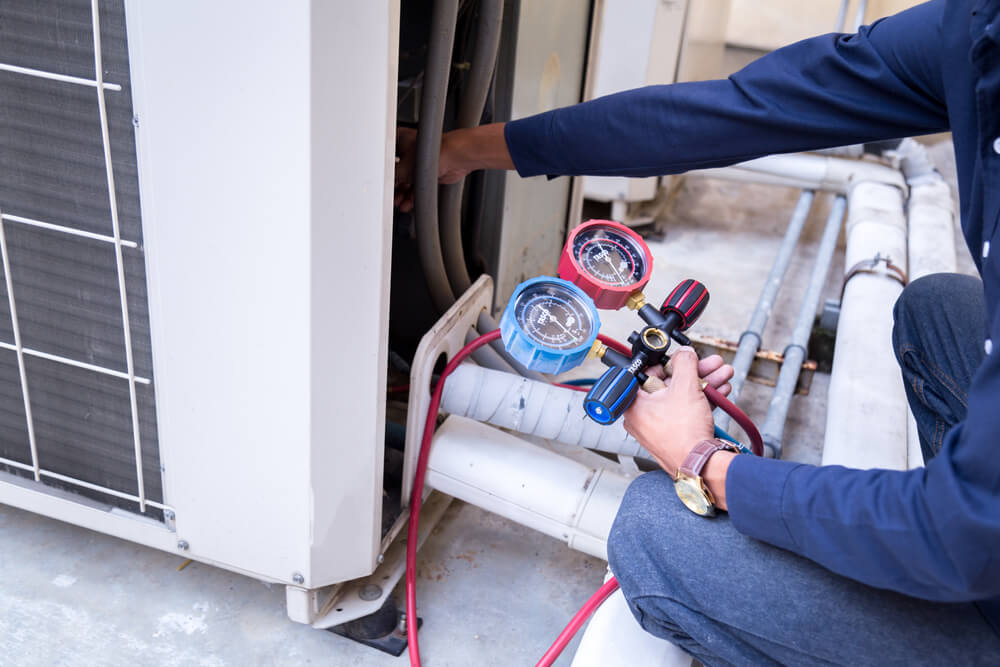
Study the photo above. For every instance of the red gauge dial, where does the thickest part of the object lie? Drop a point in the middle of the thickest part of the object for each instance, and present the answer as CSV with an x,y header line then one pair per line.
x,y
607,260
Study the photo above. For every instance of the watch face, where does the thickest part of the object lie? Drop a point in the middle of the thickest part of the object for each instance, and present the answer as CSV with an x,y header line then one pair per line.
x,y
693,496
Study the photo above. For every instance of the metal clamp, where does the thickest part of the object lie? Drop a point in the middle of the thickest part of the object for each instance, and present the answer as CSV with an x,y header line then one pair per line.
x,y
872,266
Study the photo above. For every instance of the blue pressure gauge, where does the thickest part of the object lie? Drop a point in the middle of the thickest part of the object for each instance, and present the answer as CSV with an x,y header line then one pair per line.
x,y
549,324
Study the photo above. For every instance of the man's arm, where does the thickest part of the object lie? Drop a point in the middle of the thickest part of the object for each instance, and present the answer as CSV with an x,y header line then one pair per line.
x,y
932,532
830,90
881,83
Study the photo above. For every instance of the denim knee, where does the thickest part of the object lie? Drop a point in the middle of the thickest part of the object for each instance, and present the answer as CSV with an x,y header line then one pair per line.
x,y
915,298
928,302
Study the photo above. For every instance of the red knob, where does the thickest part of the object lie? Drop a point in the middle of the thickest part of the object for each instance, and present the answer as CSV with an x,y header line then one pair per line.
x,y
688,300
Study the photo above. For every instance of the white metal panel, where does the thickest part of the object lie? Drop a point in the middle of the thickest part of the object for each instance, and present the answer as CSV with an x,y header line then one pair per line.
x,y
552,38
353,96
639,45
259,234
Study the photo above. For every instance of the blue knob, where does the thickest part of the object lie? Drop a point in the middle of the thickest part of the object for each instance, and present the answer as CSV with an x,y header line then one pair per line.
x,y
611,395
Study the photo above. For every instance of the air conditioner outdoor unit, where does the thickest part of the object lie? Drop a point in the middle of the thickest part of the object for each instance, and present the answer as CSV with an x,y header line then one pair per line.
x,y
195,253
196,232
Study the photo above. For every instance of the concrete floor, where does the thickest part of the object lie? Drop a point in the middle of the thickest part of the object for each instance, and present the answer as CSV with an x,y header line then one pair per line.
x,y
491,592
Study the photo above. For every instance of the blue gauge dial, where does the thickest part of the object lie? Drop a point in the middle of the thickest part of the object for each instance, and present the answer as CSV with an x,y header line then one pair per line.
x,y
549,324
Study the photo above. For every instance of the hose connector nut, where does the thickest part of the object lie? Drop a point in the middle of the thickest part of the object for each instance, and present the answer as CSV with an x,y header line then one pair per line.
x,y
635,300
597,350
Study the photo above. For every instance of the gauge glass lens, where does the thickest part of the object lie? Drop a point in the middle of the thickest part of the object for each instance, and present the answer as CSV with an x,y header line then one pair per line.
x,y
609,256
553,317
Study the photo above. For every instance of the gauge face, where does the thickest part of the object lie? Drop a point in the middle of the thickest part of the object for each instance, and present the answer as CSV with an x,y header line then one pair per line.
x,y
610,256
554,317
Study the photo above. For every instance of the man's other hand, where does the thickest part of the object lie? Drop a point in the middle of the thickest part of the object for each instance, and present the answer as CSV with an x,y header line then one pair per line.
x,y
671,421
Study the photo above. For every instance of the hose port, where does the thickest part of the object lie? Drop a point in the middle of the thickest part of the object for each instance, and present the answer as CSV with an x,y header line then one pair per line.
x,y
655,339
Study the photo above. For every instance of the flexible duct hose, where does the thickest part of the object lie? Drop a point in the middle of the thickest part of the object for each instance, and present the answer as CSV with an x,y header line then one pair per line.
x,y
470,111
425,177
425,186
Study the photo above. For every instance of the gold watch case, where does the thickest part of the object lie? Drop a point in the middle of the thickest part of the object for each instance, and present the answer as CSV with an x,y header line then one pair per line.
x,y
694,494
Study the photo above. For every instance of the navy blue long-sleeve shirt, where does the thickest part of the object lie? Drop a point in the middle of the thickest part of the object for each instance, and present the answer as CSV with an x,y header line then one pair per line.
x,y
932,532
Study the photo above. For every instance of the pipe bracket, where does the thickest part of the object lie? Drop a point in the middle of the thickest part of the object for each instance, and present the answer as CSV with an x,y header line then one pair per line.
x,y
878,266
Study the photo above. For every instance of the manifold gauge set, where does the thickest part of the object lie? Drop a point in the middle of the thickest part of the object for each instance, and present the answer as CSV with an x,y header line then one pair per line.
x,y
551,324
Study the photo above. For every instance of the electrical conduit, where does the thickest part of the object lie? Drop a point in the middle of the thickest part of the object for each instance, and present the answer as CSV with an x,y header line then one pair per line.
x,y
777,411
750,339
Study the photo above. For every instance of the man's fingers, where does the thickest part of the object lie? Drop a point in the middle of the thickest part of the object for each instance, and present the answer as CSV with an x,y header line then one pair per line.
x,y
719,376
684,366
710,364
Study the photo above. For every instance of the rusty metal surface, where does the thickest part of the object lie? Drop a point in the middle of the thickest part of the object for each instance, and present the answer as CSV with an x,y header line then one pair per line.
x,y
766,364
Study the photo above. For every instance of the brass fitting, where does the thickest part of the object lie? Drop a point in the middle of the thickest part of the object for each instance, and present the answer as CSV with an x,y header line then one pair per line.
x,y
597,350
655,339
636,300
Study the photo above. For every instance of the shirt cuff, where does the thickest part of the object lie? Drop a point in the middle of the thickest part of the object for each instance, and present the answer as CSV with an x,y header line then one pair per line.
x,y
528,143
755,488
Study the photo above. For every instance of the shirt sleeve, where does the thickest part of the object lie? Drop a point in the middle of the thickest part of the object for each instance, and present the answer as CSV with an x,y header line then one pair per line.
x,y
883,82
931,532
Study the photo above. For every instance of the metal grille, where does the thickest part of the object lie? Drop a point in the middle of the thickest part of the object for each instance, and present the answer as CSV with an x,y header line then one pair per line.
x,y
76,377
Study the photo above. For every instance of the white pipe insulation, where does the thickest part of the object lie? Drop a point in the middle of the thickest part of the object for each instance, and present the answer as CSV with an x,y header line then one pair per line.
x,y
530,485
930,213
866,421
533,408
816,172
931,234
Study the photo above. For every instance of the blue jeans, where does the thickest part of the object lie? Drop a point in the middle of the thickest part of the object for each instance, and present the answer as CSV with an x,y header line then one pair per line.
x,y
728,599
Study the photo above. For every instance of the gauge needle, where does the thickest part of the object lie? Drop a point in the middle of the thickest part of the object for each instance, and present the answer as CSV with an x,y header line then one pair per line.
x,y
552,318
605,255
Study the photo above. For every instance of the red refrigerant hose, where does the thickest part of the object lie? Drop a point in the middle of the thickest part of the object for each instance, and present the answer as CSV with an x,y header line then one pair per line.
x,y
416,497
418,492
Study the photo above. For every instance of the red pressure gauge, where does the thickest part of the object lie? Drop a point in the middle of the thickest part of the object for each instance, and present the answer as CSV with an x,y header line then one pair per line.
x,y
607,260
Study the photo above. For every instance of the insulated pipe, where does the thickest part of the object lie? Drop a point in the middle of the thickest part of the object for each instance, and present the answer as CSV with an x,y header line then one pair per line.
x,y
795,353
931,237
866,420
470,111
488,357
533,408
484,324
425,176
750,339
815,172
930,213
530,485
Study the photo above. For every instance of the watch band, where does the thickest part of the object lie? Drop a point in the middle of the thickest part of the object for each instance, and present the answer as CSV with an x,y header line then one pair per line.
x,y
698,457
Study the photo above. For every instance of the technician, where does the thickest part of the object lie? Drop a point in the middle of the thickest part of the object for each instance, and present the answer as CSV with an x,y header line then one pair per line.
x,y
814,565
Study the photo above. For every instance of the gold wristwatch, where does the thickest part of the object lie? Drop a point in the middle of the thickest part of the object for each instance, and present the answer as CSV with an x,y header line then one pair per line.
x,y
690,486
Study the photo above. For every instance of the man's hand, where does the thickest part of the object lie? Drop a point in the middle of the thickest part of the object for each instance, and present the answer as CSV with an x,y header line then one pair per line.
x,y
670,422
462,151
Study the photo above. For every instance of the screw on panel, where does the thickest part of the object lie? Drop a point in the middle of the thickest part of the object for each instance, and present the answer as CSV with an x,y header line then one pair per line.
x,y
298,578
183,545
381,558
370,592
